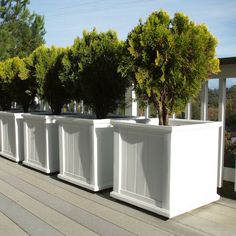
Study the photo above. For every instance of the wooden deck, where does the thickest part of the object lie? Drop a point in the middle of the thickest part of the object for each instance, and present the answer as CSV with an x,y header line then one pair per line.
x,y
32,203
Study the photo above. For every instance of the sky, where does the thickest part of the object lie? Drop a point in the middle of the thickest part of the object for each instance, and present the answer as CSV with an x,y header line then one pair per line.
x,y
66,20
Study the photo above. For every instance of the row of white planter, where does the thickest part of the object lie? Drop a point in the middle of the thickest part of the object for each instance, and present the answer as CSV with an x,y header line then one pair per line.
x,y
167,170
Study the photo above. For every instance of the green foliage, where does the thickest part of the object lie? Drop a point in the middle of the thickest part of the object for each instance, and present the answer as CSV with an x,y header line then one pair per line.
x,y
17,85
5,88
172,59
56,86
231,108
20,31
230,147
97,58
47,67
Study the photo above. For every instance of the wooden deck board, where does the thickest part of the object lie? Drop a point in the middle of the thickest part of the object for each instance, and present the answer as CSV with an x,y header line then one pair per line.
x,y
8,227
71,210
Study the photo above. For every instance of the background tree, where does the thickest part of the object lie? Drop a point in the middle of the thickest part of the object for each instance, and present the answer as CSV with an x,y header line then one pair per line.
x,y
20,31
172,59
231,109
98,56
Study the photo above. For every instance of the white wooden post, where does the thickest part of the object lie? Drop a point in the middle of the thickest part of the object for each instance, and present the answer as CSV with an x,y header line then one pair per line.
x,y
221,117
75,106
188,111
131,104
82,106
134,104
147,111
204,102
68,107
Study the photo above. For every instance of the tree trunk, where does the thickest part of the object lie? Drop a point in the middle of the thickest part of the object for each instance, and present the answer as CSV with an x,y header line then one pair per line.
x,y
56,109
163,116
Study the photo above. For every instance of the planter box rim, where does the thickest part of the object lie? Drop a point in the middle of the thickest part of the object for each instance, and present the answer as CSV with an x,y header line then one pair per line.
x,y
64,119
186,124
48,118
16,115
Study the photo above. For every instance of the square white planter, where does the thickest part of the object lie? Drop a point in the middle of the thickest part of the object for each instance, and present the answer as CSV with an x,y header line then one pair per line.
x,y
41,142
168,170
86,152
11,136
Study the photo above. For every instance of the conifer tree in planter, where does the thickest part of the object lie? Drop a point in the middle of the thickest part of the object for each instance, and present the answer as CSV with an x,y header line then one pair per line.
x,y
10,122
46,66
165,167
5,88
23,89
102,86
171,59
41,130
96,57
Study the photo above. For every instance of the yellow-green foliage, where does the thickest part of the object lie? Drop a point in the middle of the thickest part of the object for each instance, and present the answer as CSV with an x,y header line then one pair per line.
x,y
39,63
172,58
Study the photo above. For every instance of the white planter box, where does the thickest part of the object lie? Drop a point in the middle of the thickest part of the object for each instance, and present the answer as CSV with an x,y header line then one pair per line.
x,y
41,149
86,152
168,170
11,136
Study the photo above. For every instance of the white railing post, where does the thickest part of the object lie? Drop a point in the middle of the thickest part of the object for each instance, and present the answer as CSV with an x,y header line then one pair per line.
x,y
131,104
204,102
82,106
74,106
188,111
221,117
147,111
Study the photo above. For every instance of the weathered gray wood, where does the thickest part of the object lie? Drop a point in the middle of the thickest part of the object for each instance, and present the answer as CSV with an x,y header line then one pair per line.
x,y
116,208
98,212
52,217
27,221
103,218
7,227
79,215
206,225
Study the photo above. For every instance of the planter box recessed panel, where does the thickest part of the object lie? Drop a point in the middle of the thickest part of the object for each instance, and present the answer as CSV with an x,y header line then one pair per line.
x,y
11,127
77,164
36,145
142,153
86,150
41,143
168,170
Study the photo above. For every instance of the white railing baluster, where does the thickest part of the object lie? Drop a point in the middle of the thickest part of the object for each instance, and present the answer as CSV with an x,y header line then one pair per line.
x,y
221,117
204,102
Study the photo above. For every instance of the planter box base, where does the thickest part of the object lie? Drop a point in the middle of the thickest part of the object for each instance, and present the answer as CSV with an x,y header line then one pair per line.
x,y
155,209
10,157
38,167
83,184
